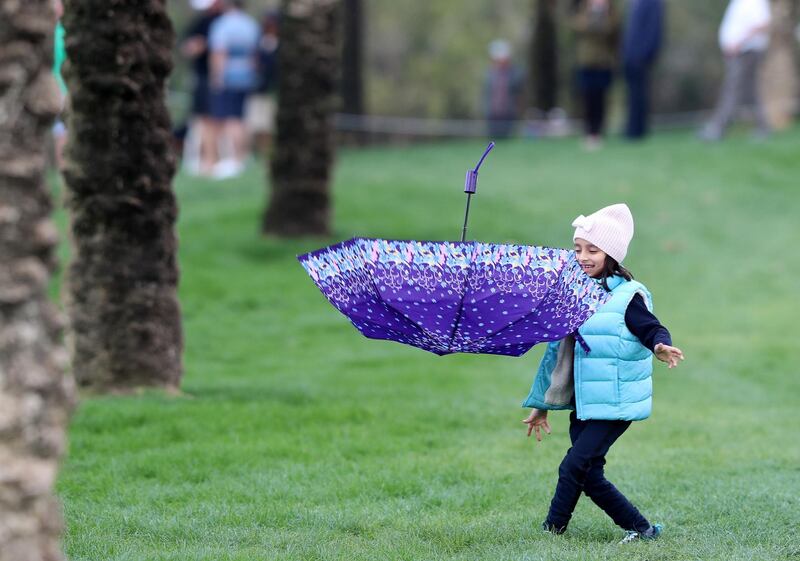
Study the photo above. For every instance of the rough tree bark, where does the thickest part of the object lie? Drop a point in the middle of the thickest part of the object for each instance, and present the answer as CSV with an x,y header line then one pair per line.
x,y
301,164
122,284
543,58
35,395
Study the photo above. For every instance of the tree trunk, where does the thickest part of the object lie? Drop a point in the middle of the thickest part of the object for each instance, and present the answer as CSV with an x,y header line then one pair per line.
x,y
303,158
35,395
352,58
352,84
779,78
122,296
543,65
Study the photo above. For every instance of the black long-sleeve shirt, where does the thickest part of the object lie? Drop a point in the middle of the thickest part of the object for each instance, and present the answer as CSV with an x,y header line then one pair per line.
x,y
642,323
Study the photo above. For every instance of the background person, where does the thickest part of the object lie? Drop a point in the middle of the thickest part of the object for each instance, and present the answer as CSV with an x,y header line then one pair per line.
x,y
502,91
260,108
743,38
640,46
194,46
59,56
233,40
597,27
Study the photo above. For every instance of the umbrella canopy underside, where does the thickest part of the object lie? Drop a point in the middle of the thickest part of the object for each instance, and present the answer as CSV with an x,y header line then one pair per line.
x,y
448,297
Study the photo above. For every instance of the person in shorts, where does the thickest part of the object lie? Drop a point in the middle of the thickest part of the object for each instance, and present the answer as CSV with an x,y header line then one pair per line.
x,y
194,46
233,41
260,107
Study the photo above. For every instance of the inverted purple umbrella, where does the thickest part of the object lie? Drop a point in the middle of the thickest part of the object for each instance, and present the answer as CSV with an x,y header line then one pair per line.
x,y
448,297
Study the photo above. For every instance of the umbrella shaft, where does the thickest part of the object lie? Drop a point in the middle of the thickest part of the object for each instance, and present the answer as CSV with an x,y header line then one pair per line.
x,y
466,216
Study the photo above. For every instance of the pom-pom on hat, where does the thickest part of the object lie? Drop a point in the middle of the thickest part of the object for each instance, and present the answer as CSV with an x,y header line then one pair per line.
x,y
610,229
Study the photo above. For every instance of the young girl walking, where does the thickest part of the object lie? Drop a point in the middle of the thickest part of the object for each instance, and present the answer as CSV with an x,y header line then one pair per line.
x,y
605,380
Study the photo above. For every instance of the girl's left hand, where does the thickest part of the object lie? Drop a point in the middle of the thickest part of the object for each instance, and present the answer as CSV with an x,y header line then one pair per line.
x,y
536,420
670,355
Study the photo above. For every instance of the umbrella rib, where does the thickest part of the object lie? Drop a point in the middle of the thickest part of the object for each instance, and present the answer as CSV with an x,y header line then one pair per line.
x,y
463,296
389,305
394,331
516,321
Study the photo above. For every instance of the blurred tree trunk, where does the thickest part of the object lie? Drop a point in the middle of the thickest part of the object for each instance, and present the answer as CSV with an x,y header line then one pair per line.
x,y
35,395
543,57
302,161
352,88
352,58
122,282
779,79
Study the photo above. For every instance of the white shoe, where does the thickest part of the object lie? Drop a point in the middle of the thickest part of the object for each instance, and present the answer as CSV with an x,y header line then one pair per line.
x,y
227,168
650,534
592,143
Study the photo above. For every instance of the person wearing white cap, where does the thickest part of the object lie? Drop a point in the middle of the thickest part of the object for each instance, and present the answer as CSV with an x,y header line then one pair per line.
x,y
606,380
744,39
502,91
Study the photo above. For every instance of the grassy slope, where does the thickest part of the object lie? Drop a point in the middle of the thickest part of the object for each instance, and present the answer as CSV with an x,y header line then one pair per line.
x,y
298,439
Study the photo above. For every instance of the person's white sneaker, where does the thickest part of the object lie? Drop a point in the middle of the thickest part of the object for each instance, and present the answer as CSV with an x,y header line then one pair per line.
x,y
630,536
650,534
227,168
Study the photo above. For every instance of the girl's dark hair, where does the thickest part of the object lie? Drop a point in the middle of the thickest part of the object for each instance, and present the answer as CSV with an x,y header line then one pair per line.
x,y
612,268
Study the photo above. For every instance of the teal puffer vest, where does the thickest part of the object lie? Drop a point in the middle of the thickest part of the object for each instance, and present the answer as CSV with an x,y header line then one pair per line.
x,y
612,381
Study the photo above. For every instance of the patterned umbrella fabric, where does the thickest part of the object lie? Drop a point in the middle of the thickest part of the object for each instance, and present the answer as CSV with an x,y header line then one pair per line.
x,y
449,297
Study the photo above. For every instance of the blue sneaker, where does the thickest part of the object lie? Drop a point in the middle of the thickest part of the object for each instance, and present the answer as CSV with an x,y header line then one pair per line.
x,y
650,534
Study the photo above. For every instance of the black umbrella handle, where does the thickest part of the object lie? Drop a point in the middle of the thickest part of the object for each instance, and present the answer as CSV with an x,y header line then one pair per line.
x,y
471,186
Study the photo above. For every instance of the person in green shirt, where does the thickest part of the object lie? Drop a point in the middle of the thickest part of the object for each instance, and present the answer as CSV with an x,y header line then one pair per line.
x,y
59,56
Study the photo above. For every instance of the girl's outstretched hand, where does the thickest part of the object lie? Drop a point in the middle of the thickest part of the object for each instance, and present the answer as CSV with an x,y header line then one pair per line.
x,y
670,355
537,420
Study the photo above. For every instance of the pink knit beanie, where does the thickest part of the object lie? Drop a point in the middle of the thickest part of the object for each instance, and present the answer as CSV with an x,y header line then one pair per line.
x,y
610,229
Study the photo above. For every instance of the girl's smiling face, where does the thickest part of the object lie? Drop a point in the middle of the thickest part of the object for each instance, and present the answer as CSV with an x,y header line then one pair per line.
x,y
592,259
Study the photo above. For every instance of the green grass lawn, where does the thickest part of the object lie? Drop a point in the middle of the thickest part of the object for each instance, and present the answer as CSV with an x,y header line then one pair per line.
x,y
299,439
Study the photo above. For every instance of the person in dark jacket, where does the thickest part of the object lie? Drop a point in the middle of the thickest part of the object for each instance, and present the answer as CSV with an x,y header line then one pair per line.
x,y
596,26
640,46
261,105
194,46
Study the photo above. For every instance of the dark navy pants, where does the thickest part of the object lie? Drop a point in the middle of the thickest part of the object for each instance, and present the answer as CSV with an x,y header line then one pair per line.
x,y
582,471
594,85
636,77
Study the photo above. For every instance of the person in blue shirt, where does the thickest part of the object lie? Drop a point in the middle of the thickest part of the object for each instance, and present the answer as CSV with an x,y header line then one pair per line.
x,y
606,380
233,41
641,43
